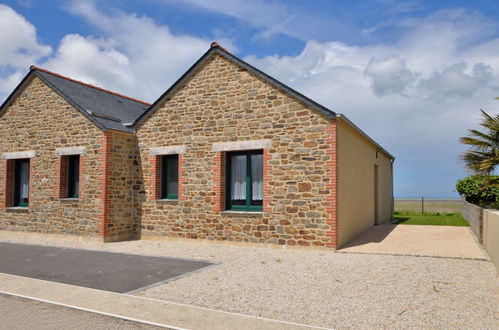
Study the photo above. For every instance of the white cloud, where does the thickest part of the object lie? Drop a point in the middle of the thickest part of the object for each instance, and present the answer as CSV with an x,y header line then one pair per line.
x,y
416,96
19,45
454,81
19,48
133,54
92,61
389,76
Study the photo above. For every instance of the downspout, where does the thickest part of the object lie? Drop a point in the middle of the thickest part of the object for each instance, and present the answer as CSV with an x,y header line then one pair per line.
x,y
393,198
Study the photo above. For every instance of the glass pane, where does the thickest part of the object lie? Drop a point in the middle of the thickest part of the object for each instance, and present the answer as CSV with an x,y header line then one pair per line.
x,y
238,180
73,176
76,176
24,181
172,176
256,179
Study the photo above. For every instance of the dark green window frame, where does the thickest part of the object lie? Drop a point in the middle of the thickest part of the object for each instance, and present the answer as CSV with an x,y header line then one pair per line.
x,y
18,201
249,205
169,173
73,176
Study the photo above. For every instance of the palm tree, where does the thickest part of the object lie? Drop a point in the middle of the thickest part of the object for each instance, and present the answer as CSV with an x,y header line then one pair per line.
x,y
483,156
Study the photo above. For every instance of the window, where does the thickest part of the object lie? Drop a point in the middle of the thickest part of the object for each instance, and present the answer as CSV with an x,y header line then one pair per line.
x,y
73,188
245,181
169,177
68,173
21,183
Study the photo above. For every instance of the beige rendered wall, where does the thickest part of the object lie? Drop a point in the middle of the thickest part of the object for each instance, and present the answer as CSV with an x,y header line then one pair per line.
x,y
491,234
356,206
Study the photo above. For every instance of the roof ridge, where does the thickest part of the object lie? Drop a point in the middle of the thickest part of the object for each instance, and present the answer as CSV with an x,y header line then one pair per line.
x,y
33,67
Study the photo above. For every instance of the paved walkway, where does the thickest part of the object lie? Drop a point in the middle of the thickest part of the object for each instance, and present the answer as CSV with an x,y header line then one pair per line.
x,y
110,271
133,308
21,314
437,241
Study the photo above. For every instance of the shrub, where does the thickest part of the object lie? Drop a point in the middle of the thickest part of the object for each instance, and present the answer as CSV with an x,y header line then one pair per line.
x,y
481,190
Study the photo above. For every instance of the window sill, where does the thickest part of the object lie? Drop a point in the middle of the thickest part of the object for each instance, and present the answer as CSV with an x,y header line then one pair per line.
x,y
21,209
69,199
241,213
167,201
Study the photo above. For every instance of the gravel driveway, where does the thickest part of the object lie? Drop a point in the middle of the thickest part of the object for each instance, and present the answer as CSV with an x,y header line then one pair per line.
x,y
322,288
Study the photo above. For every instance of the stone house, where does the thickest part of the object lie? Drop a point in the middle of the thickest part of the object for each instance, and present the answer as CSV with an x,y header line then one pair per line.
x,y
226,153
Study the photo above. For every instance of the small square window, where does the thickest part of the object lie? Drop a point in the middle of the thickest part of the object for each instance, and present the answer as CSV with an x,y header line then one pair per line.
x,y
169,177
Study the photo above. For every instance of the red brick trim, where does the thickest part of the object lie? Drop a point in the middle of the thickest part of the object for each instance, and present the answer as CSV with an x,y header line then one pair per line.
x,y
62,177
219,179
181,176
332,186
155,177
8,167
105,168
267,178
81,177
31,200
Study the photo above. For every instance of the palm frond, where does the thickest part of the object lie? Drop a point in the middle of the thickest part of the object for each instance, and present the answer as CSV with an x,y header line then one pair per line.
x,y
483,156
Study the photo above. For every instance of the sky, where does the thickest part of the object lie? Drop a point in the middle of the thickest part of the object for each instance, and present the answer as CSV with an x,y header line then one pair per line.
x,y
412,74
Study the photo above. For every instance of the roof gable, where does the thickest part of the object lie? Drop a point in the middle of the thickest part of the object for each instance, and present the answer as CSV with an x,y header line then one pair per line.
x,y
216,49
106,109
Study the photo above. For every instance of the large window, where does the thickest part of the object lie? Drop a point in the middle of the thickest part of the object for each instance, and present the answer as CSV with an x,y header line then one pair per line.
x,y
169,177
73,182
21,183
245,181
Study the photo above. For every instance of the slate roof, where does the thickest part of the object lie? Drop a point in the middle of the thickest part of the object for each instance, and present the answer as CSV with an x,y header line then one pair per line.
x,y
106,109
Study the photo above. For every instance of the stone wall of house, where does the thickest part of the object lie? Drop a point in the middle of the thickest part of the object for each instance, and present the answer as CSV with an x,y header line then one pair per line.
x,y
42,121
224,103
122,167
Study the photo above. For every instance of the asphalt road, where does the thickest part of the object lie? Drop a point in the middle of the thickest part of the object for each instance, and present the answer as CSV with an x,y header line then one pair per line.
x,y
116,272
20,313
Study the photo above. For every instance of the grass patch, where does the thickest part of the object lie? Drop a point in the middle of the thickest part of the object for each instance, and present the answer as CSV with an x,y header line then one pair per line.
x,y
430,218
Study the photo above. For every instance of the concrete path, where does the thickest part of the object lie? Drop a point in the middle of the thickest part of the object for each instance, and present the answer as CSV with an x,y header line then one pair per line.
x,y
436,241
133,308
21,314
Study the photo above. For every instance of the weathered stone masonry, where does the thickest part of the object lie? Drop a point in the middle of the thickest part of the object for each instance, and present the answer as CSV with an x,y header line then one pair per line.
x,y
40,120
223,103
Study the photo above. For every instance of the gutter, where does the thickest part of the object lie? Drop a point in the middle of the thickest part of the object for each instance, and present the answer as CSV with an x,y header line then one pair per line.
x,y
344,119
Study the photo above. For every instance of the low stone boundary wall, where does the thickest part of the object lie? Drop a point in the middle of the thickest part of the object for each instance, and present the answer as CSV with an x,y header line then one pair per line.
x,y
485,225
491,235
474,215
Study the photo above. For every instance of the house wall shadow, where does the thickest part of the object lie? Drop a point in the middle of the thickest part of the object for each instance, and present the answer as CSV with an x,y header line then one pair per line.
x,y
375,234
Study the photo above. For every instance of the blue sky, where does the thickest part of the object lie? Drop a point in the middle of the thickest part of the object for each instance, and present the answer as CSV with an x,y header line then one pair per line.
x,y
411,74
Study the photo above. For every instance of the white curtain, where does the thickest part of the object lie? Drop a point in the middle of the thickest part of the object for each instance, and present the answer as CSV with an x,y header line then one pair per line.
x,y
24,178
257,177
238,178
